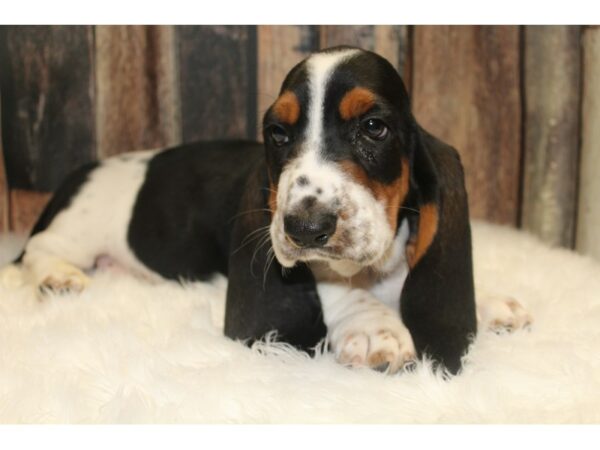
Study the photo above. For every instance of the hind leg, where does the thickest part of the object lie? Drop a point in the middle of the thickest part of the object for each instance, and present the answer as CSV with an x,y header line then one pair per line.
x,y
56,262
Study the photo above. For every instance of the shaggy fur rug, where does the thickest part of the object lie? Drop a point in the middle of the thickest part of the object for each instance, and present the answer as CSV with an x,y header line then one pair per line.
x,y
124,351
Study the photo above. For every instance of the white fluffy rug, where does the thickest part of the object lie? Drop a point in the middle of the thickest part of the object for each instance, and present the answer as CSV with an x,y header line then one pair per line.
x,y
124,351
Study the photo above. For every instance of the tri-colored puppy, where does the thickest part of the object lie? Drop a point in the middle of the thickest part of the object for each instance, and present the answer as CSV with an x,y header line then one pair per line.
x,y
350,221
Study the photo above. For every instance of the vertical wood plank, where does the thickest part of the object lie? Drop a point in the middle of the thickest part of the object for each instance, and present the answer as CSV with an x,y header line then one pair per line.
x,y
356,35
466,91
552,104
390,41
46,79
137,95
4,199
26,207
588,221
279,49
217,81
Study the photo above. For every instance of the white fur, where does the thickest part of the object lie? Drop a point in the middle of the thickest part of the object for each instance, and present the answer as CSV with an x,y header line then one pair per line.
x,y
362,313
362,330
95,223
320,67
393,272
124,351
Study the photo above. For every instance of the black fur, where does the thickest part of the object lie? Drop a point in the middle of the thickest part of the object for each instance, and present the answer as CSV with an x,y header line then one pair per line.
x,y
183,242
438,297
227,184
261,295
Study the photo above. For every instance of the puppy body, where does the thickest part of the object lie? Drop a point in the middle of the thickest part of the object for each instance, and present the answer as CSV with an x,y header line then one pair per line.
x,y
350,221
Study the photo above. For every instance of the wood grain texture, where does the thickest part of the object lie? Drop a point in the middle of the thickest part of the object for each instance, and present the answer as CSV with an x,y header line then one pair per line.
x,y
26,207
217,81
552,104
279,49
4,198
588,220
390,41
46,80
466,91
137,95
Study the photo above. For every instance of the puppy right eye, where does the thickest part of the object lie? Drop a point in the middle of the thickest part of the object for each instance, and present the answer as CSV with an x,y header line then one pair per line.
x,y
279,135
376,129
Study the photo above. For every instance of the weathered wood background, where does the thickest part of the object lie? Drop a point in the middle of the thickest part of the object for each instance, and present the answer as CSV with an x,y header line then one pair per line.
x,y
521,104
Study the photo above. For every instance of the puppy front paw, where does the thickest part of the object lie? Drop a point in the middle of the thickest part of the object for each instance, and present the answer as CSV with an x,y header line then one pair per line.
x,y
374,338
502,314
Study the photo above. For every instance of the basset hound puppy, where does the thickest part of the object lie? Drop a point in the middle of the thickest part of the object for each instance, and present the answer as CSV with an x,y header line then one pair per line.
x,y
349,223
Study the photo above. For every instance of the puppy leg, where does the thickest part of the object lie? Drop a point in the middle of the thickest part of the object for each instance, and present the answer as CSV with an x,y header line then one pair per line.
x,y
363,331
53,262
497,313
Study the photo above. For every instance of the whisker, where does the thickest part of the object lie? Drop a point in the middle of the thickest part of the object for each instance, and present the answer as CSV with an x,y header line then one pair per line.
x,y
269,190
249,239
256,250
411,209
247,212
403,207
259,229
268,262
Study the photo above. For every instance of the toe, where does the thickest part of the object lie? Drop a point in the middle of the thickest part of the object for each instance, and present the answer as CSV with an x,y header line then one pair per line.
x,y
354,350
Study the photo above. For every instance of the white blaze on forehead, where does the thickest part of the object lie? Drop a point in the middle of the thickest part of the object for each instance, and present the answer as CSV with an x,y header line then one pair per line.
x,y
322,175
320,67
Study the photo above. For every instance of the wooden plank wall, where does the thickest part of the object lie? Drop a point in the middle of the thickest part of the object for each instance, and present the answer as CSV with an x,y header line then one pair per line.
x,y
217,81
507,97
137,100
466,91
551,123
4,205
47,85
588,221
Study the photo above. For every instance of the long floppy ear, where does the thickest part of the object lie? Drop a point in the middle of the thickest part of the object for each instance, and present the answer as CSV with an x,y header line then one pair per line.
x,y
261,297
438,300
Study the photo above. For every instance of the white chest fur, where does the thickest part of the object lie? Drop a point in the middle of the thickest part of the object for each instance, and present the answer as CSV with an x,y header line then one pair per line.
x,y
385,284
362,312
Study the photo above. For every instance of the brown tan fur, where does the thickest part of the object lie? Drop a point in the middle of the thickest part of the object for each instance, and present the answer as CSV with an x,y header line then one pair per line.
x,y
272,198
428,224
356,102
287,108
392,195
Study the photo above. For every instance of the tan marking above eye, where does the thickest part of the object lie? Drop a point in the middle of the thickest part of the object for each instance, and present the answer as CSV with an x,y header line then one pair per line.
x,y
287,108
356,102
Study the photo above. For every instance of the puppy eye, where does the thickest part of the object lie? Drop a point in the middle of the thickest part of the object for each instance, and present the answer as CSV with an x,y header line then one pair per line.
x,y
279,135
375,129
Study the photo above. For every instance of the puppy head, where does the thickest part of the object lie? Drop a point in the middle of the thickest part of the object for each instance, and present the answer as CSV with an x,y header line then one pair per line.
x,y
338,141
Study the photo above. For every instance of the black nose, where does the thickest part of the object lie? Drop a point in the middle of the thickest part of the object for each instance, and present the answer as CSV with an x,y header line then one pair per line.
x,y
312,230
